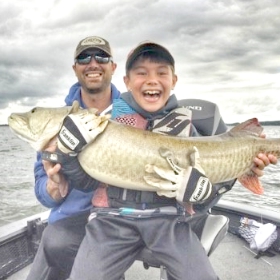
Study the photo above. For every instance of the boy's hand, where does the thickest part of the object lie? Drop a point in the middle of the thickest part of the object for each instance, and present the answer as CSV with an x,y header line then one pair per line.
x,y
189,185
80,129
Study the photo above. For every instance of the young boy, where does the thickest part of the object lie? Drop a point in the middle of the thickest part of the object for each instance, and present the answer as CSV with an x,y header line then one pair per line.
x,y
112,241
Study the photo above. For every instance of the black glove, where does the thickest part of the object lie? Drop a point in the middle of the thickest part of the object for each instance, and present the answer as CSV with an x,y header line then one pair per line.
x,y
72,170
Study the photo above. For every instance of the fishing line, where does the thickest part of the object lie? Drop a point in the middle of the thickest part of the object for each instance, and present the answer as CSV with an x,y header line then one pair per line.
x,y
256,255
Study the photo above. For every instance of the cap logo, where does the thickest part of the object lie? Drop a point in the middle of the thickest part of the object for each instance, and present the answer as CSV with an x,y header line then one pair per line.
x,y
93,41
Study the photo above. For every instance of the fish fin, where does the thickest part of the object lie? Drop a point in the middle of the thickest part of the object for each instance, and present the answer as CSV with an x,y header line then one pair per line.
x,y
251,125
251,182
75,107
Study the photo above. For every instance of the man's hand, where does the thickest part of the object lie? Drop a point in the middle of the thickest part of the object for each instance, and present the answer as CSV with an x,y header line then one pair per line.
x,y
262,160
79,129
57,186
65,172
189,185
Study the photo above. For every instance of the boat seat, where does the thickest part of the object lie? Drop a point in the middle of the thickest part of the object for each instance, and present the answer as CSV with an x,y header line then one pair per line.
x,y
212,233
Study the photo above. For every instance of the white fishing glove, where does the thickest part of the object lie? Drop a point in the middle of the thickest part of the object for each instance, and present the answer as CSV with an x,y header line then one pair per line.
x,y
190,184
79,129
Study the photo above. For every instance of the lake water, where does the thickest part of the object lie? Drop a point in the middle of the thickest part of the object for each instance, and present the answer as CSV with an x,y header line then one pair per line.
x,y
16,180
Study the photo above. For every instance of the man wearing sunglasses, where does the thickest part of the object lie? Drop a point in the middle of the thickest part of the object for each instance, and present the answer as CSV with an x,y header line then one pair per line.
x,y
93,67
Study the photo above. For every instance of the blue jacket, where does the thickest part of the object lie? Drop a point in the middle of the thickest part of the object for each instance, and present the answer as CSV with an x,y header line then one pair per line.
x,y
76,201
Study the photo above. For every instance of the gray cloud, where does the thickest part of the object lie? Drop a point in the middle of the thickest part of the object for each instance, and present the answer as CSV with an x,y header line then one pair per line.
x,y
224,50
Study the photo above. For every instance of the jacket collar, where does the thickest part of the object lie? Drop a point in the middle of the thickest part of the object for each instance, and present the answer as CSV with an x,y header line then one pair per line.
x,y
75,94
171,104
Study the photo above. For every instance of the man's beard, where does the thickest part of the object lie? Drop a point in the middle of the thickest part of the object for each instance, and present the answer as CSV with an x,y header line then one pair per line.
x,y
98,89
94,90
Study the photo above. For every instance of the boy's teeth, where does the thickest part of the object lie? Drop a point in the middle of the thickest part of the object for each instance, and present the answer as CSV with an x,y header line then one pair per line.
x,y
151,92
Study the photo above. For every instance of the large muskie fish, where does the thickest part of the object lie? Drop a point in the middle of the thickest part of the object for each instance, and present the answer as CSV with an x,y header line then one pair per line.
x,y
118,155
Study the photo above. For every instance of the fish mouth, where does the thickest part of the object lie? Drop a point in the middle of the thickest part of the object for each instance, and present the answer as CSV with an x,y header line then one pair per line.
x,y
17,124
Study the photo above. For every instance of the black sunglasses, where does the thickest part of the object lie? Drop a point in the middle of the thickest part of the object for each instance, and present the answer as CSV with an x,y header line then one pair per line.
x,y
86,59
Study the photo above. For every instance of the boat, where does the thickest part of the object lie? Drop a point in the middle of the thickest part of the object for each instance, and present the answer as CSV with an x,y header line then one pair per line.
x,y
229,253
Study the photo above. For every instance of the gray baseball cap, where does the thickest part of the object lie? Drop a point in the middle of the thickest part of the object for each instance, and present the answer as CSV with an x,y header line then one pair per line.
x,y
93,42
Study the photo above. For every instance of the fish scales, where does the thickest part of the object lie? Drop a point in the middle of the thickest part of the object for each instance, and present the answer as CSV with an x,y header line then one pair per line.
x,y
123,152
119,154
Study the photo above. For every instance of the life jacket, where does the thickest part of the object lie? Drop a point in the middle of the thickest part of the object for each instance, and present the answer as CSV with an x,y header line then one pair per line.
x,y
203,120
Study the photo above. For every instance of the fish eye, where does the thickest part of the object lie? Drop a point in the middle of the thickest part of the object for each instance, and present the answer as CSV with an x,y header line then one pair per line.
x,y
33,110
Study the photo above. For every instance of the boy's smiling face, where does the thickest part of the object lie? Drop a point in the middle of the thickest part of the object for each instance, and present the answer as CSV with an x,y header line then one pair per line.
x,y
150,83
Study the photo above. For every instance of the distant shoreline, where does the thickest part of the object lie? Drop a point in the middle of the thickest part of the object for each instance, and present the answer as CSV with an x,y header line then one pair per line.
x,y
265,123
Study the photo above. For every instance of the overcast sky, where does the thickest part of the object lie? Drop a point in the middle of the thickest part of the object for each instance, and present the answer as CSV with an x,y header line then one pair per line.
x,y
226,51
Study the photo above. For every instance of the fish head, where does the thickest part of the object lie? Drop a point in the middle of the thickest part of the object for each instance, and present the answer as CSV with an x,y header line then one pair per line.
x,y
40,125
